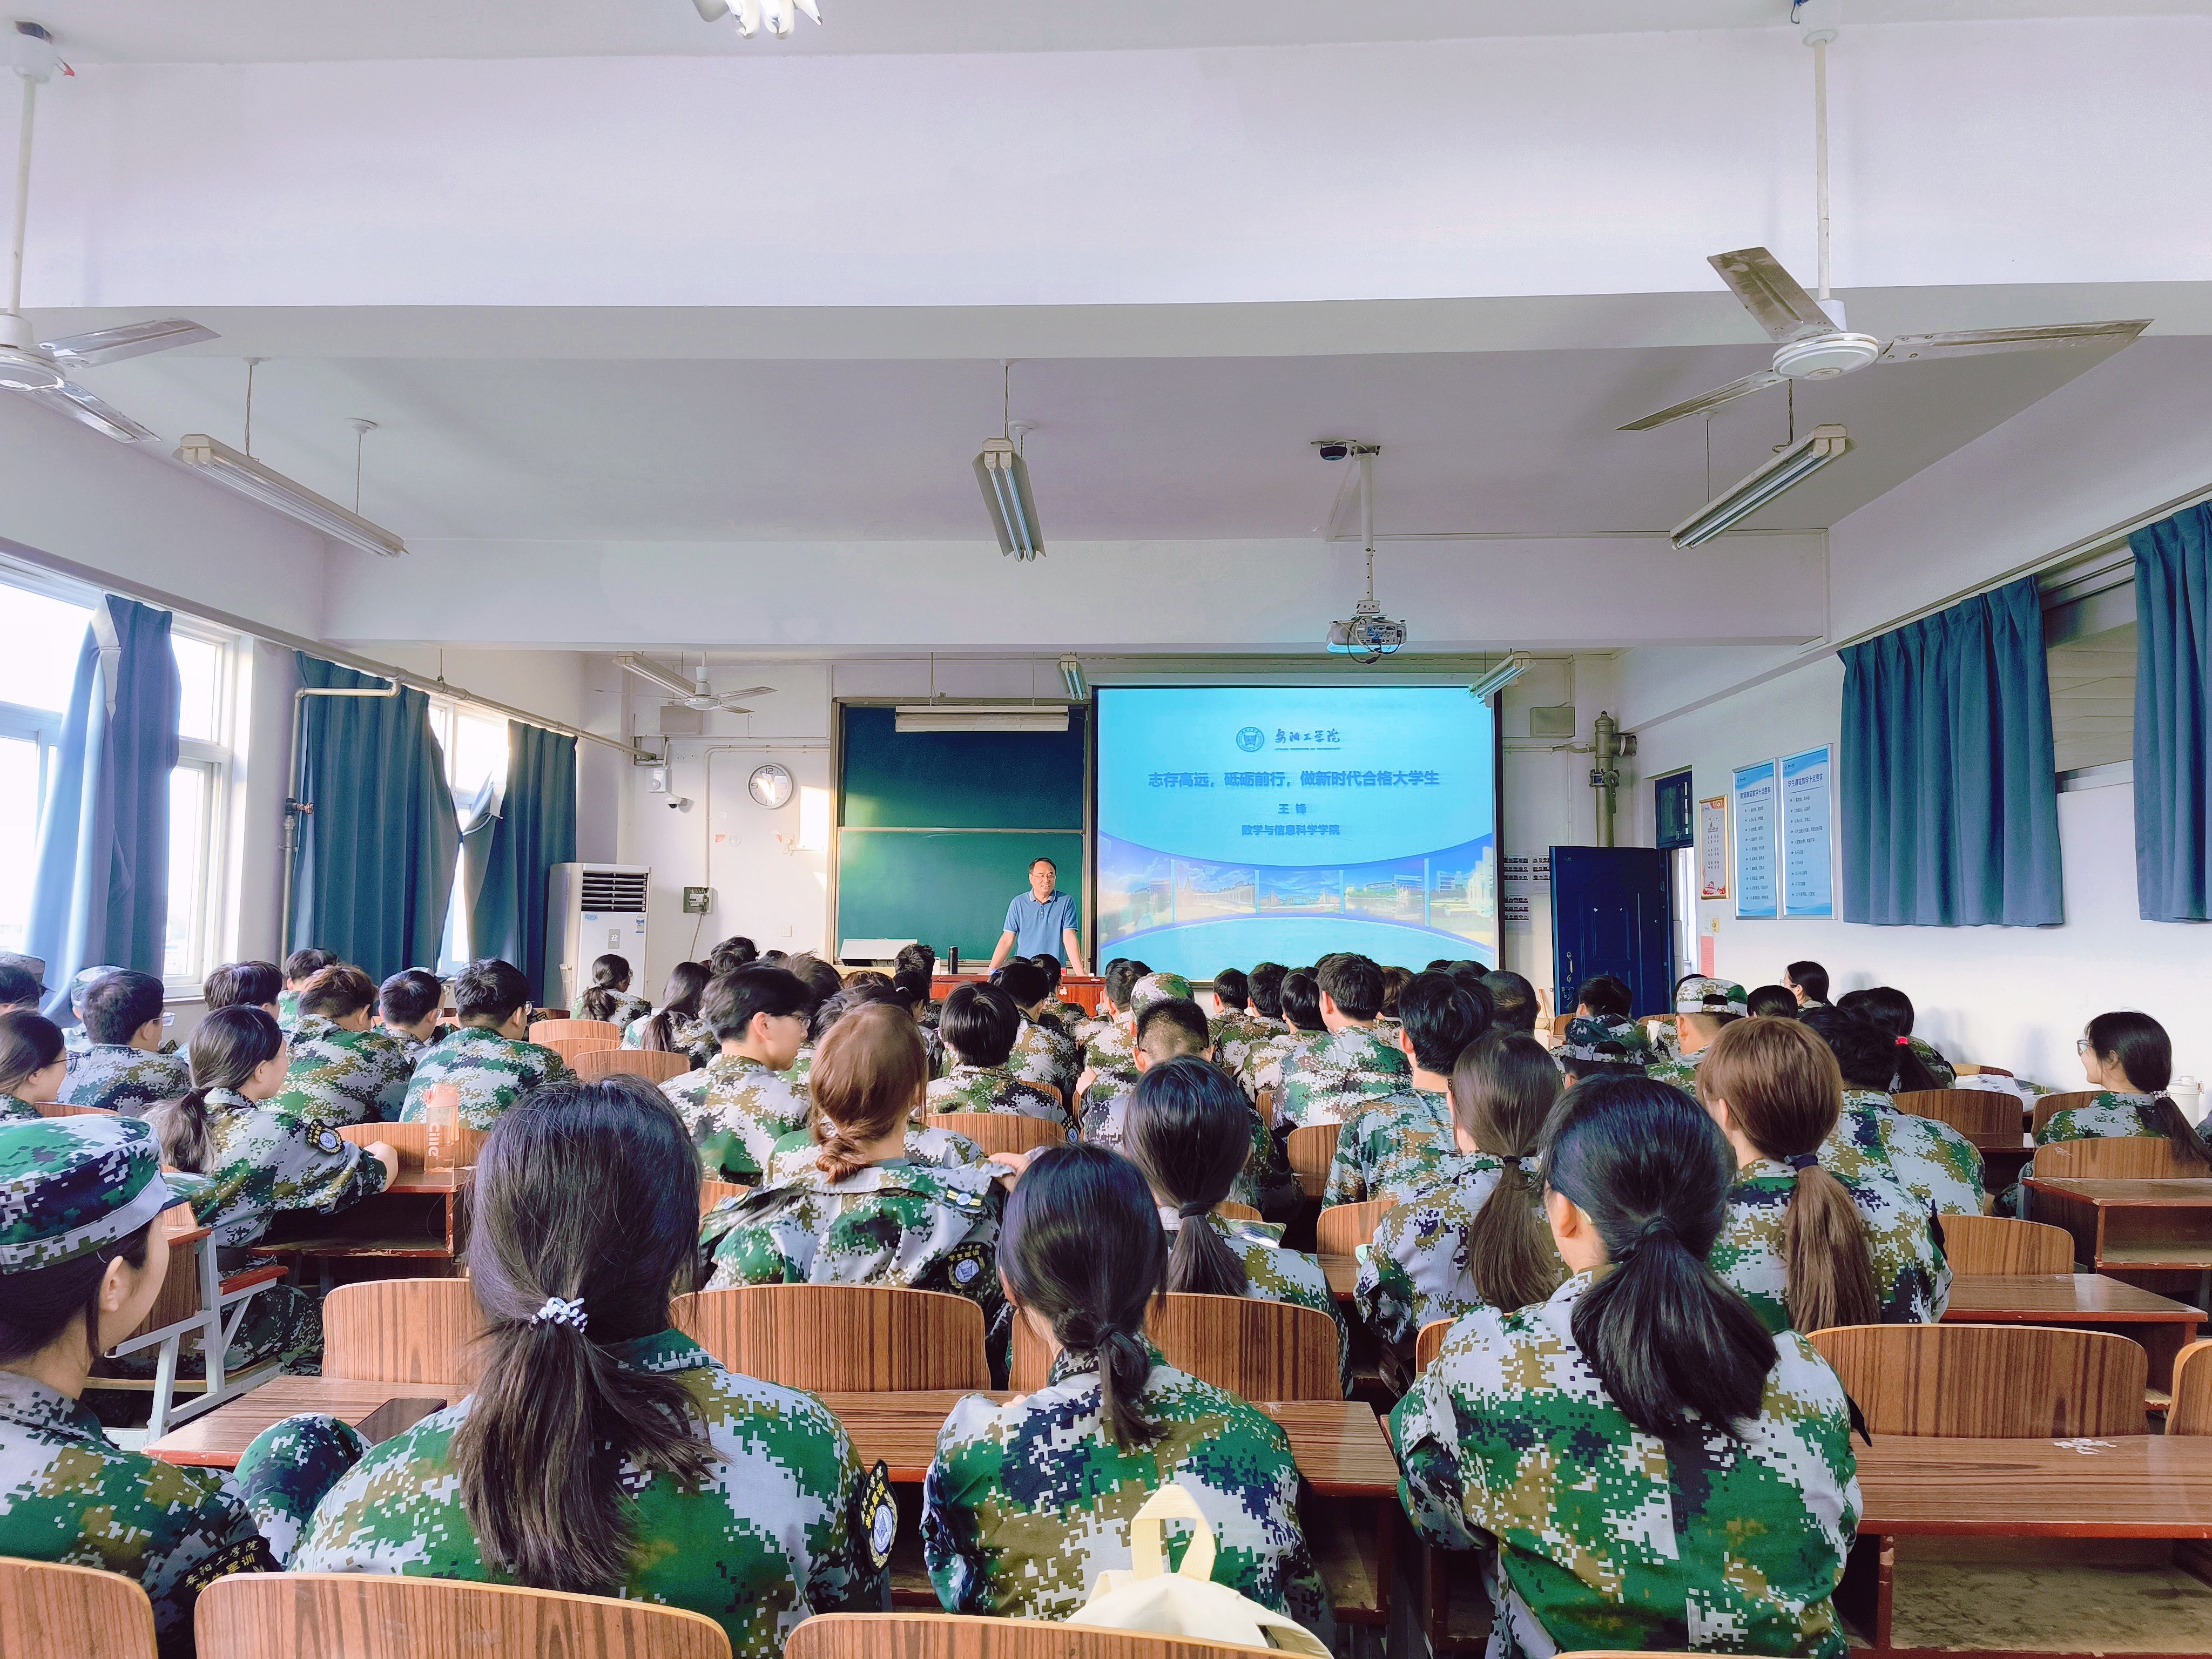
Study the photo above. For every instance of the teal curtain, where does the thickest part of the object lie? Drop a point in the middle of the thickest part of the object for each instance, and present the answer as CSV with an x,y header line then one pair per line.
x,y
535,829
2173,727
375,868
100,892
1949,787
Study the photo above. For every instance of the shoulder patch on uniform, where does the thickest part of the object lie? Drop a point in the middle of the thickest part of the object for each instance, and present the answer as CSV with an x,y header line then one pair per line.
x,y
327,1139
966,1264
876,1517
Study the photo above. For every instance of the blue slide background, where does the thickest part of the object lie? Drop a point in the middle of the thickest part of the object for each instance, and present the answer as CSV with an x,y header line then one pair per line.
x,y
1253,824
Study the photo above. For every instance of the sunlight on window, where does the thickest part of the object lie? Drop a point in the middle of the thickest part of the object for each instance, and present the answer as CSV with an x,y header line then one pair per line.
x,y
478,754
39,641
19,837
199,669
188,804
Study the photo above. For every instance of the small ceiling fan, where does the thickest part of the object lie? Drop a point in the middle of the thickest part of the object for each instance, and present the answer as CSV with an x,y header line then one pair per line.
x,y
698,694
39,370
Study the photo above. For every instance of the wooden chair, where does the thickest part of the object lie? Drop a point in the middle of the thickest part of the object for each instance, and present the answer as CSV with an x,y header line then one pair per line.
x,y
654,1065
1970,1111
196,1302
1260,1350
1962,1069
572,1049
412,1142
1341,1229
1310,1150
57,1108
347,1615
1983,1244
83,1612
1559,1024
1429,1342
2047,1106
402,1330
2191,1413
1265,1105
840,1339
966,1636
1002,1132
712,1193
1989,1381
549,1031
1230,1210
2113,1157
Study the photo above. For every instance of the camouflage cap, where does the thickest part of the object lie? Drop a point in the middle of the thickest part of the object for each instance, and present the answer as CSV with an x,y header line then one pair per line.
x,y
1156,988
32,968
1601,1039
81,981
1700,995
69,1186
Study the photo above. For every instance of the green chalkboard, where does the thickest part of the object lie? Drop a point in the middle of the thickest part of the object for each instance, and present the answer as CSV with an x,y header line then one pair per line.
x,y
960,780
944,888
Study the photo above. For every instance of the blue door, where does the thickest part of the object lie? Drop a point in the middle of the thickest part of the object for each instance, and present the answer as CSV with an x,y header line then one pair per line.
x,y
1611,915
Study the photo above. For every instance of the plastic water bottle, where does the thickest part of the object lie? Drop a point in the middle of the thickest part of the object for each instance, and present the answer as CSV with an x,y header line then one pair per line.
x,y
2186,1093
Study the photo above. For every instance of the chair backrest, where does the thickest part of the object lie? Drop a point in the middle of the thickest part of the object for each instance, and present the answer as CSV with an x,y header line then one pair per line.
x,y
572,1049
2047,1106
1989,1381
1429,1342
83,1612
1265,1105
712,1193
412,1141
1309,1152
1970,1111
1002,1132
654,1065
1260,1350
58,1109
2191,1413
1559,1024
1230,1210
402,1330
180,1296
1960,1068
349,1615
549,1031
840,1339
1983,1244
2114,1157
967,1636
1341,1229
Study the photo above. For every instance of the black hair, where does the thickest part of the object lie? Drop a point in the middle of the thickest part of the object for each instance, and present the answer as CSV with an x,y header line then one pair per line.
x,y
1439,1018
1266,988
1503,1090
1082,1248
1866,1057
1667,1338
609,980
1186,1032
911,957
228,1046
1512,999
19,986
335,993
1122,976
309,960
29,1042
979,1023
820,979
679,999
730,955
1607,994
1041,859
1889,1011
1232,990
249,984
40,1302
1189,1129
1771,1001
732,999
116,1004
488,988
1468,977
1355,984
1809,978
913,986
1048,966
853,996
1300,1000
2139,1046
409,996
1024,981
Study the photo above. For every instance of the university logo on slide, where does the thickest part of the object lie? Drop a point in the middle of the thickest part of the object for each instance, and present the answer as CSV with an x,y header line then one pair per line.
x,y
1251,739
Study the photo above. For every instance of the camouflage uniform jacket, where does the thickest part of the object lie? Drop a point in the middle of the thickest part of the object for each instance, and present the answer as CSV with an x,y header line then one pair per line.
x,y
68,1494
2111,1112
779,1528
937,1149
260,1162
1392,1149
1608,1537
745,1109
993,1088
288,1010
1933,1161
1264,1060
13,1108
1113,1050
1235,1035
491,1072
1946,1074
1026,1503
801,1068
1275,1274
125,1079
1040,1055
629,1009
1414,1269
1337,1074
890,1224
1265,1182
1911,1280
1671,1064
1070,1018
338,1076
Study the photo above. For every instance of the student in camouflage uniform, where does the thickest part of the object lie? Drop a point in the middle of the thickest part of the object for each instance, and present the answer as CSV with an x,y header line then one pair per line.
x,y
123,1068
608,997
1041,1053
1807,1246
1807,981
1026,1503
1396,1147
32,1063
1474,1238
244,985
81,1264
1101,1089
678,1027
2129,1058
978,1024
1236,1029
78,1041
1297,1001
1707,1505
1890,1011
1109,1039
1065,1015
1329,1079
735,1498
759,1015
300,967
343,1070
408,1003
1602,1047
1702,1008
489,1060
22,984
1939,1167
860,1213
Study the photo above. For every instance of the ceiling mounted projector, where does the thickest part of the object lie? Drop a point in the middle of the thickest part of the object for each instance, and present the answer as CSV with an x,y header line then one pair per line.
x,y
780,15
1366,635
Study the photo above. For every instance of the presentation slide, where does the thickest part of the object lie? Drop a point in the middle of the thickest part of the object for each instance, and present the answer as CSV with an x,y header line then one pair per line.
x,y
1246,824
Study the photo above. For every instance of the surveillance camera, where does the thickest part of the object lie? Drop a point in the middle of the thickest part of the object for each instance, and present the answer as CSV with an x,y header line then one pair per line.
x,y
1333,450
679,803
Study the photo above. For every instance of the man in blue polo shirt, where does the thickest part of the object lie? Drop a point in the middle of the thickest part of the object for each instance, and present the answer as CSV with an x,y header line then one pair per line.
x,y
1041,922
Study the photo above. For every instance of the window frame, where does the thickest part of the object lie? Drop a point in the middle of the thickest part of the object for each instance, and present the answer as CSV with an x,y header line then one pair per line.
x,y
216,759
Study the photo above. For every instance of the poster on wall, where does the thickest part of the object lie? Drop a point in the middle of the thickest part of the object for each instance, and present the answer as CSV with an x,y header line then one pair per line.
x,y
1758,887
1712,847
1808,833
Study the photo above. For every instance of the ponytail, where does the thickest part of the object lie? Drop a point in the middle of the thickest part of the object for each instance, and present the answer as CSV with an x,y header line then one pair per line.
x,y
228,1046
181,1127
2139,1047
1828,1266
679,998
1667,1339
1502,1090
1911,1074
867,1076
1189,1129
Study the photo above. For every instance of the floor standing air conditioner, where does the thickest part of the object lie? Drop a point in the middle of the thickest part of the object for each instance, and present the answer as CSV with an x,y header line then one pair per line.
x,y
594,908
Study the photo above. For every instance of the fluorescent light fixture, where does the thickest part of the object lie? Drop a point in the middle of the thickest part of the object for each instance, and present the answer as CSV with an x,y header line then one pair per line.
x,y
1004,477
1499,677
1792,466
241,472
980,717
645,669
1070,676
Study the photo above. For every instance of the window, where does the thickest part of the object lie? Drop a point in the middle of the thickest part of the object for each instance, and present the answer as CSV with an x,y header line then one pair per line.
x,y
199,799
2089,640
40,637
474,746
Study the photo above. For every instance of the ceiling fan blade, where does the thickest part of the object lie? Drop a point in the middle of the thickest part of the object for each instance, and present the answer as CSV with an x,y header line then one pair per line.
x,y
112,345
1728,393
1773,297
2030,337
752,691
79,405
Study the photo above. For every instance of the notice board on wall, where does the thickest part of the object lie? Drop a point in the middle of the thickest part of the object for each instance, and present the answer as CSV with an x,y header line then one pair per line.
x,y
1755,804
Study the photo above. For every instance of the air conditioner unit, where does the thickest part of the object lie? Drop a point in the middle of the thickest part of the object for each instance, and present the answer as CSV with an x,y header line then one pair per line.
x,y
594,908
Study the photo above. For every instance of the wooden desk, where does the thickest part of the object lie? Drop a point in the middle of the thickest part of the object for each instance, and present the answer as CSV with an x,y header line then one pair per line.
x,y
1342,1273
2004,1157
1083,990
415,1220
2156,1234
2086,1301
216,1440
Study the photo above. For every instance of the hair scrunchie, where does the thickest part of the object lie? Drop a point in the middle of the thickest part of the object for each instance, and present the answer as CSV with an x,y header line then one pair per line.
x,y
1186,1211
555,1310
1804,1161
1905,1042
1658,1226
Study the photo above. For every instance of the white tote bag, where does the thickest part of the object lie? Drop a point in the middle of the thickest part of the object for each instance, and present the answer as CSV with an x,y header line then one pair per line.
x,y
1186,1603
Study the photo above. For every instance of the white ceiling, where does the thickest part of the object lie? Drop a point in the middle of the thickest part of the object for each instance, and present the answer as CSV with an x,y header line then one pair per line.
x,y
291,30
1498,442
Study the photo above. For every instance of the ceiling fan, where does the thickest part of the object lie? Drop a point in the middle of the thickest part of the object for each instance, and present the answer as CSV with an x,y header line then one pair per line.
x,y
39,370
698,694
